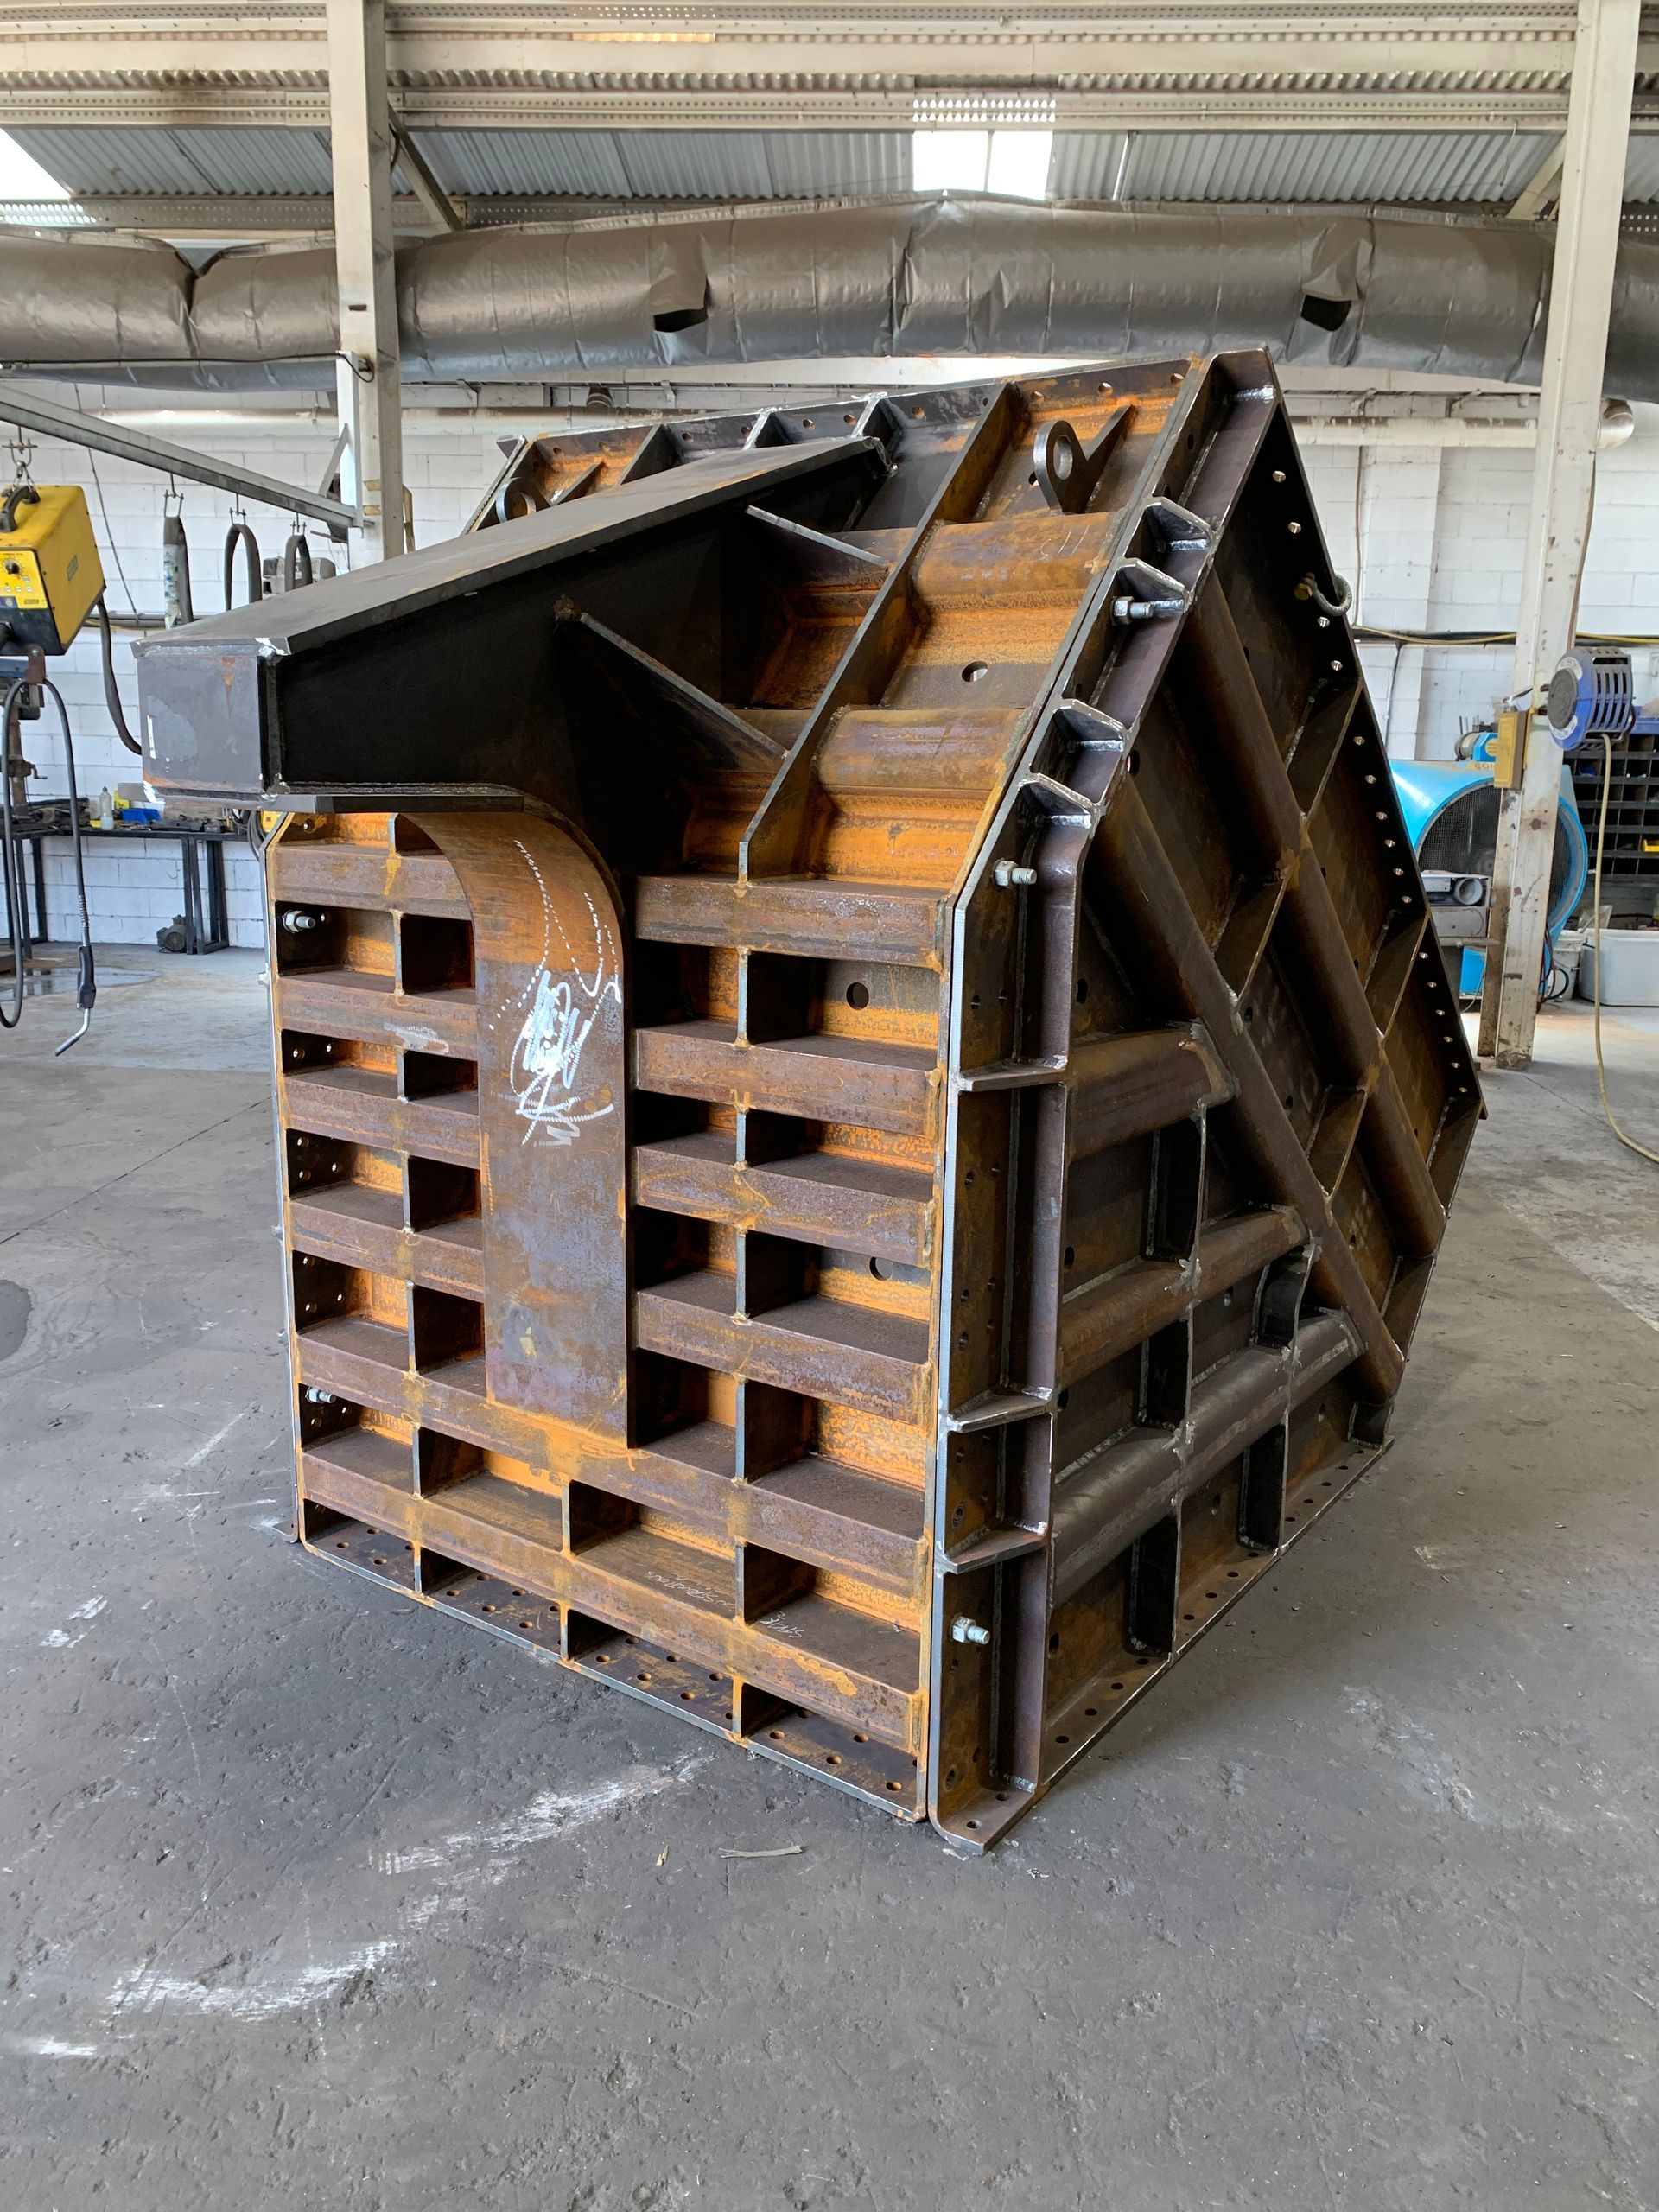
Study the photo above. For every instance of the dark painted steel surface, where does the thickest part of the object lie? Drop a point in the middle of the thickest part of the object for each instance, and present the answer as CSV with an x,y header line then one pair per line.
x,y
868,1105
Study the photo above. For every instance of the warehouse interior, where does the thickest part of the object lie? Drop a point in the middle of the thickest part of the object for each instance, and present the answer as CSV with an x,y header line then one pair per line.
x,y
328,334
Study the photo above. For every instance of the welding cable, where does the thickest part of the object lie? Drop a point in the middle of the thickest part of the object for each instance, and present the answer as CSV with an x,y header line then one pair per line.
x,y
111,695
11,853
1601,844
85,970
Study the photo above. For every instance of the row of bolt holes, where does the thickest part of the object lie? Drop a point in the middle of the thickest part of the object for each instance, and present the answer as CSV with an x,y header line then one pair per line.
x,y
831,1758
1092,1712
603,1659
643,1675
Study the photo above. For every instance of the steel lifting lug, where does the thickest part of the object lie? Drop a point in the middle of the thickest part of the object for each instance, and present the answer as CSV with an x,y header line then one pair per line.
x,y
1309,589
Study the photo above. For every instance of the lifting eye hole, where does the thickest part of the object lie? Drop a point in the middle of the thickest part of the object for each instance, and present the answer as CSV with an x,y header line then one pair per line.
x,y
858,996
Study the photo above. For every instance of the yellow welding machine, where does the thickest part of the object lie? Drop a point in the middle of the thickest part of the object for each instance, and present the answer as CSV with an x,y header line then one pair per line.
x,y
50,574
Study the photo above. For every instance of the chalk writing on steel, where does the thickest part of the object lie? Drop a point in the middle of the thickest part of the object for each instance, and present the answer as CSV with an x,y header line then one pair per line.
x,y
564,1011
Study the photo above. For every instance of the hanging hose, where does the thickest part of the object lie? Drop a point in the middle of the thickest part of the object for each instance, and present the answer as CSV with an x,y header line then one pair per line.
x,y
296,561
240,533
1601,841
111,694
86,971
176,571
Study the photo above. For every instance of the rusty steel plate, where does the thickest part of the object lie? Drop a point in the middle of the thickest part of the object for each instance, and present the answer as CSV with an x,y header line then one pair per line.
x,y
868,1100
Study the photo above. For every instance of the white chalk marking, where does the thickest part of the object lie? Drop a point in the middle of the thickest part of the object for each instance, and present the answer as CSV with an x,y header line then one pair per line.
x,y
147,1989
218,1438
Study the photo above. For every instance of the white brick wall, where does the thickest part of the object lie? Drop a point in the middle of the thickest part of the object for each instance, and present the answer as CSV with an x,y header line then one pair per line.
x,y
1441,541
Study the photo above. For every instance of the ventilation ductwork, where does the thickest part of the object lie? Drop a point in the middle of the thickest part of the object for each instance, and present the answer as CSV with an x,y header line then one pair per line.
x,y
960,278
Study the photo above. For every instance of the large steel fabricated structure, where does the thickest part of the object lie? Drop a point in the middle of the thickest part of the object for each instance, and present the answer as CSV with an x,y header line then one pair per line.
x,y
867,1097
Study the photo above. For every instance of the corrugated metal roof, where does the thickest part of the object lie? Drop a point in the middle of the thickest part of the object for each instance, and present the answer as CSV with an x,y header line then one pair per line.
x,y
1401,165
669,164
597,164
1310,166
93,158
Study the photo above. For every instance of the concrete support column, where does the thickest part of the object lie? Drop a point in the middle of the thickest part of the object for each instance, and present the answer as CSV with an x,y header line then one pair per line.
x,y
367,378
1569,415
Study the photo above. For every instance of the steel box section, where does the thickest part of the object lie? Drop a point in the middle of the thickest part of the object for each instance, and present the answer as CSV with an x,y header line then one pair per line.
x,y
868,1098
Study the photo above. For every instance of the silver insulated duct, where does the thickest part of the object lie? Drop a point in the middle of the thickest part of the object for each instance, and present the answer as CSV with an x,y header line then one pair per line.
x,y
890,277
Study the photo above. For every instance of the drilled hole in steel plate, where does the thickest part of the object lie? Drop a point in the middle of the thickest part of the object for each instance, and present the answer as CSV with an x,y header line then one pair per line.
x,y
972,1824
1232,1573
729,1716
1189,1617
642,1677
895,1786
601,1658
918,414
974,671
806,422
340,1543
1071,1255
668,1659
1062,1739
1090,1713
849,418
486,1609
858,996
519,1594
1083,990
1212,1594
685,1696
832,1758
714,1678
523,1624
883,1270
1117,1686
1325,1486
380,1558
857,1739
1290,1520
1054,1641
776,1734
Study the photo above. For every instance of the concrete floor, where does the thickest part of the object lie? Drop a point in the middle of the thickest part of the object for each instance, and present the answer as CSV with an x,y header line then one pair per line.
x,y
312,1899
